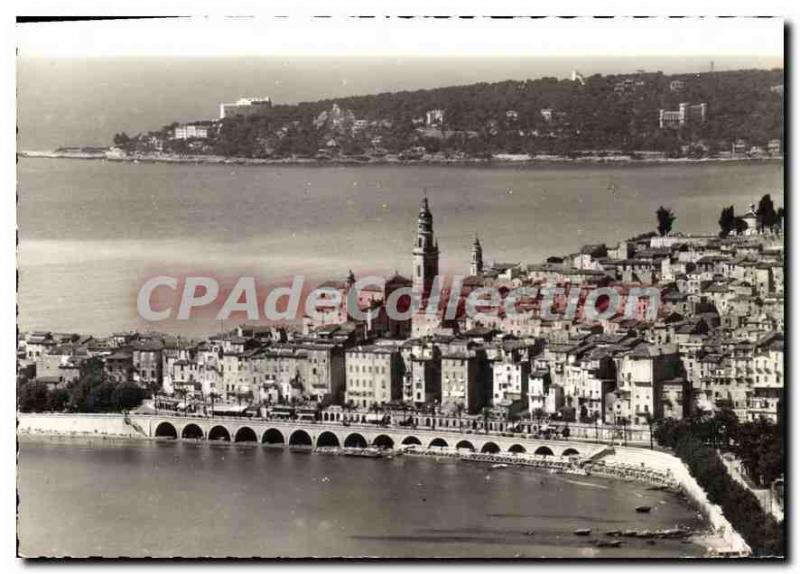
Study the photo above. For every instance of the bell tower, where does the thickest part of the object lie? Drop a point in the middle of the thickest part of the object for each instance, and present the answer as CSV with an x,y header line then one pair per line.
x,y
425,252
476,268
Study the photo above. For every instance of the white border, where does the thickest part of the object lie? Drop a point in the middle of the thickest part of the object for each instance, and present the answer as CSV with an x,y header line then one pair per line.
x,y
491,41
548,37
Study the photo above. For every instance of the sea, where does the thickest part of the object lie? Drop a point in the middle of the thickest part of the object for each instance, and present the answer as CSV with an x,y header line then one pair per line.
x,y
127,498
92,232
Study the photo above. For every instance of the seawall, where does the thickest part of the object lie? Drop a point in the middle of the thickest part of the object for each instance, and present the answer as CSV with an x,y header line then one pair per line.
x,y
110,425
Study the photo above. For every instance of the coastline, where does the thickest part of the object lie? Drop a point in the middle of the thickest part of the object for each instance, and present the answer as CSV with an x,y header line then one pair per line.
x,y
499,161
665,470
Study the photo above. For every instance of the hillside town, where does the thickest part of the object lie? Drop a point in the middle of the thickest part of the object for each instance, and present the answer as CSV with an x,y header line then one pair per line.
x,y
715,341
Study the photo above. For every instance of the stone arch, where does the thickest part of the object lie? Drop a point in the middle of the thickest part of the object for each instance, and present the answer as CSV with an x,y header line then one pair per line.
x,y
411,440
273,436
490,448
166,430
570,452
465,444
192,431
544,450
245,434
355,440
328,439
219,432
300,438
438,442
383,441
518,448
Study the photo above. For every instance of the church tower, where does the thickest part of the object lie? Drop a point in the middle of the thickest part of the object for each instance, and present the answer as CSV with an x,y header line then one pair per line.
x,y
425,252
477,258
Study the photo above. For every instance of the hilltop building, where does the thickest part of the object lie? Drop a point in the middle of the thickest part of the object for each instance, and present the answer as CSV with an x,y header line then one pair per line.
x,y
190,131
434,118
245,107
578,77
683,115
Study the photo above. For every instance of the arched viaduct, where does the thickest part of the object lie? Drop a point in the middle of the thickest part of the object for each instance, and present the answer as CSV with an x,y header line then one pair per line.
x,y
315,434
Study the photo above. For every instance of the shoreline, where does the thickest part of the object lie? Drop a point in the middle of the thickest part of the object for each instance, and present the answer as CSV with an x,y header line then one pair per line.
x,y
606,531
495,162
720,539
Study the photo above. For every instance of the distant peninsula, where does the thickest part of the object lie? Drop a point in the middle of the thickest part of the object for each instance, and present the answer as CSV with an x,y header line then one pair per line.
x,y
642,117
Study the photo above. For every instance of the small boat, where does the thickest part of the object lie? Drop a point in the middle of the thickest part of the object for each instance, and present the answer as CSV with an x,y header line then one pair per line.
x,y
643,509
614,533
499,465
583,532
366,452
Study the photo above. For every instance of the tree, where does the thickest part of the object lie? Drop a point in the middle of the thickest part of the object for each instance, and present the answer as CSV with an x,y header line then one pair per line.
x,y
765,213
567,413
127,396
33,397
727,221
57,400
779,216
213,395
123,140
100,398
665,219
740,225
92,375
650,421
182,394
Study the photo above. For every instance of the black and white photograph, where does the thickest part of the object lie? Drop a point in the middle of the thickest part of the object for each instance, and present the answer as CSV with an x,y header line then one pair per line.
x,y
400,288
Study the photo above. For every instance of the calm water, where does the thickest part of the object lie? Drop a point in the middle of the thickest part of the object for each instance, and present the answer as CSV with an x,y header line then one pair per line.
x,y
92,232
166,499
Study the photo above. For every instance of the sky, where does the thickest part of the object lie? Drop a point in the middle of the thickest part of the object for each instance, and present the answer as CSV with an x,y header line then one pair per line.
x,y
79,83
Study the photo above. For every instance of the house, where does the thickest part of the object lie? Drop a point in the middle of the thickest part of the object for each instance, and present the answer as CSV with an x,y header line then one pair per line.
x,y
118,366
739,147
465,376
422,372
640,373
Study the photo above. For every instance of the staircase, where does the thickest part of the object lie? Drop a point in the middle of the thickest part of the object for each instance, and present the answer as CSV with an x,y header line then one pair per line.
x,y
133,425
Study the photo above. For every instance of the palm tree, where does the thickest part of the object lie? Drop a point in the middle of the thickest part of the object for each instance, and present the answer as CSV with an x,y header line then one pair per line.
x,y
349,406
213,395
595,418
624,423
650,420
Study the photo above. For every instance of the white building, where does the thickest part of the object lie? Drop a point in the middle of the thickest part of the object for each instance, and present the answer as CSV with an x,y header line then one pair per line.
x,y
190,131
245,107
373,375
